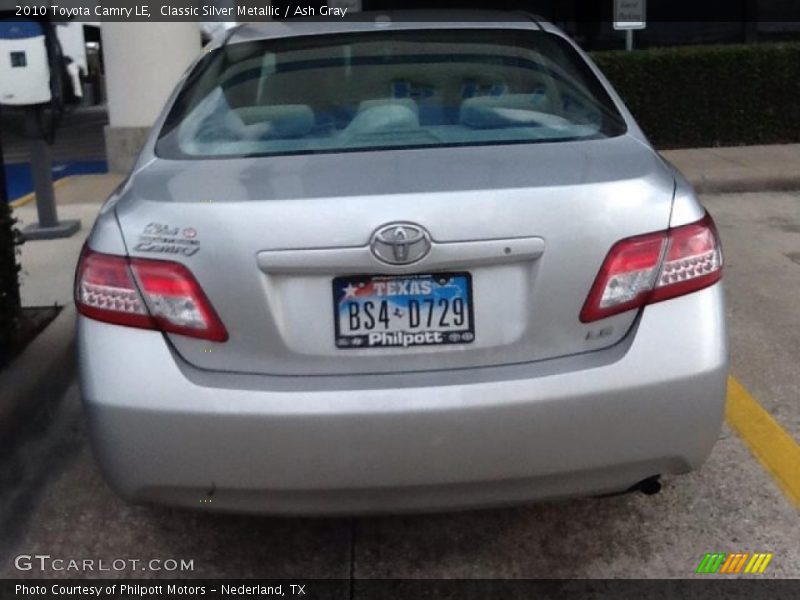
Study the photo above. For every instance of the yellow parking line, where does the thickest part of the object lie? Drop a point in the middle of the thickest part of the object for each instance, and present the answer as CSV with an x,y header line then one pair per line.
x,y
23,200
768,441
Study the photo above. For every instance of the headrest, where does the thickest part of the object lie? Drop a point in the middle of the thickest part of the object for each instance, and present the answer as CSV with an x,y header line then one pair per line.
x,y
406,102
384,117
509,110
282,120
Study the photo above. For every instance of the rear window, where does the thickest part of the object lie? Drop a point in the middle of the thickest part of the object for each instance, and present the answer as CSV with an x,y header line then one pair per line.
x,y
387,90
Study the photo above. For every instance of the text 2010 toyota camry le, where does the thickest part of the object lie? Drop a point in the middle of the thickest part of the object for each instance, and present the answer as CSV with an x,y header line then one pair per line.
x,y
394,265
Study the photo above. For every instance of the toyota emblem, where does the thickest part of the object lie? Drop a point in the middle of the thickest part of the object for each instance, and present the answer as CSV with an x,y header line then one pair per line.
x,y
400,243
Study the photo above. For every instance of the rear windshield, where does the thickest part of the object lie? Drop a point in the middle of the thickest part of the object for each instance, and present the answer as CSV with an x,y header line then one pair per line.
x,y
387,90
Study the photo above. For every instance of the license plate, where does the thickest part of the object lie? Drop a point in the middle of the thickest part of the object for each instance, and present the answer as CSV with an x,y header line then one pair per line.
x,y
391,311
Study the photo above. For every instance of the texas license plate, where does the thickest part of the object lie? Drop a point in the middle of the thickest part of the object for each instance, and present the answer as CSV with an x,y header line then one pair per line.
x,y
390,311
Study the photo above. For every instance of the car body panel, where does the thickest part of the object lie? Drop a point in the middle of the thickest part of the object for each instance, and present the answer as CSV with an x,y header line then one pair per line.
x,y
595,423
526,307
278,420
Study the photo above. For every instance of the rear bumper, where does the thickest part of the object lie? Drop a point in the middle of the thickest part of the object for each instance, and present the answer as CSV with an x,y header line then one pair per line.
x,y
600,422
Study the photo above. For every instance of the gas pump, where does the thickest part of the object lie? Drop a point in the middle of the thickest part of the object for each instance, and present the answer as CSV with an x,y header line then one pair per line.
x,y
32,77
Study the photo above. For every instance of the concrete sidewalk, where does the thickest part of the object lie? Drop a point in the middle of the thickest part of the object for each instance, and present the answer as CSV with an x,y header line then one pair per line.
x,y
38,377
48,266
739,169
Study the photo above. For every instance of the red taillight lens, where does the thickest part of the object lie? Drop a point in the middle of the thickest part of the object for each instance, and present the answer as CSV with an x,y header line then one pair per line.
x,y
626,277
693,261
167,296
104,290
654,267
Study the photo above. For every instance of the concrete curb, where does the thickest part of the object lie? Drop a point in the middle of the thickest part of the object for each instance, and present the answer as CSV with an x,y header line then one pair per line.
x,y
754,183
43,370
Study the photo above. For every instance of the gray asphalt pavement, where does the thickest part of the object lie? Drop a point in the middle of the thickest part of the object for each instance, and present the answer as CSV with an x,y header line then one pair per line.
x,y
53,500
761,243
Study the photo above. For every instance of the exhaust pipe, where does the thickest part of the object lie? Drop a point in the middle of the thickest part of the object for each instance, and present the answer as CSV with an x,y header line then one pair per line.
x,y
649,486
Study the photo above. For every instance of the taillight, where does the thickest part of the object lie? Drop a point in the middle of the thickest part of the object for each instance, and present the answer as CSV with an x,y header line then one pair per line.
x,y
653,267
150,294
693,260
104,290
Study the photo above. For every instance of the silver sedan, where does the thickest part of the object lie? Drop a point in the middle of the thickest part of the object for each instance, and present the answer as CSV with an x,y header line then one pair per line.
x,y
398,264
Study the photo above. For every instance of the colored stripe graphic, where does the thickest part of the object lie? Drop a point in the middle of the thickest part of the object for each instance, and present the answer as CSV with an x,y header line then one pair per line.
x,y
759,562
734,563
703,564
711,563
763,567
728,564
741,564
738,563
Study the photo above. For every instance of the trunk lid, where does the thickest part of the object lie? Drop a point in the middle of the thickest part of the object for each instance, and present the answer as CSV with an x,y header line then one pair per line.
x,y
266,237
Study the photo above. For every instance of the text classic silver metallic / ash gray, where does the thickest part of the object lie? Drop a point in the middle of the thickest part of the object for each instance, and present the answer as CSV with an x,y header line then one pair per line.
x,y
398,264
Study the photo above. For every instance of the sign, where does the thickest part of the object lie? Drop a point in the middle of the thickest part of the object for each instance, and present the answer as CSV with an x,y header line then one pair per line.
x,y
630,14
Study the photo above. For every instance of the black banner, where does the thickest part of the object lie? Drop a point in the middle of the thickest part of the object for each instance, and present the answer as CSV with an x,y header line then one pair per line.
x,y
575,11
712,588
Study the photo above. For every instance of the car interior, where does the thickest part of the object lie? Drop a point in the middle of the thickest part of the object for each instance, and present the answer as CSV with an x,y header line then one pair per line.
x,y
387,94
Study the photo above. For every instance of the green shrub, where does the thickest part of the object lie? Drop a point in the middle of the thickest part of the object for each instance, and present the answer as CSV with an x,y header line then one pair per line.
x,y
710,95
9,280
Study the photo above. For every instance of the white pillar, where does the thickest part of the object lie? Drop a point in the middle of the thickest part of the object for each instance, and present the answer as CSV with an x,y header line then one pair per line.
x,y
143,62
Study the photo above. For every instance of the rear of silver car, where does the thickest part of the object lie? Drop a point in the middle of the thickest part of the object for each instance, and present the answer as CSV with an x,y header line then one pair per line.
x,y
419,303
